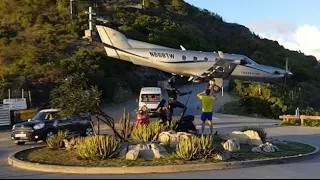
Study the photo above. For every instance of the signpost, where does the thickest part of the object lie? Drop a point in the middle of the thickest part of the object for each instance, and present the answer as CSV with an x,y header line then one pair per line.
x,y
16,104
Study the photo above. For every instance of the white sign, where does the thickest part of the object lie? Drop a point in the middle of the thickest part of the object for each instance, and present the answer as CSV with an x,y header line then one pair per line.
x,y
16,104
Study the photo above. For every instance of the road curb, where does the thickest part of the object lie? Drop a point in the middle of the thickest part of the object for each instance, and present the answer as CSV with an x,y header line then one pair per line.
x,y
153,169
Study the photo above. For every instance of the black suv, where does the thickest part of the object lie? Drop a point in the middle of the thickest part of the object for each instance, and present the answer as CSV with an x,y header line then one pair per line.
x,y
46,123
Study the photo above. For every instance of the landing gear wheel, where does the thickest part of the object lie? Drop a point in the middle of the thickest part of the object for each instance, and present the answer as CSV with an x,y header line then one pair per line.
x,y
216,88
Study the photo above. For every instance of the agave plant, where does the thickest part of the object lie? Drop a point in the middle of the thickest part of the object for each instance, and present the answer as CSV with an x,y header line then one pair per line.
x,y
206,146
54,143
146,133
126,127
188,149
98,147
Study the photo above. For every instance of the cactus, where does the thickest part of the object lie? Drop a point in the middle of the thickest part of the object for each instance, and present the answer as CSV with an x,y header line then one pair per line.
x,y
54,143
98,147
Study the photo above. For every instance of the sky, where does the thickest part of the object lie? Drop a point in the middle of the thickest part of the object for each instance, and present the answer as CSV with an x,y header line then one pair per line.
x,y
295,24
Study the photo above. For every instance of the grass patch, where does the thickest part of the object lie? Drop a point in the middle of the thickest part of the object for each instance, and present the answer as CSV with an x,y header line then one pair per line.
x,y
61,157
290,149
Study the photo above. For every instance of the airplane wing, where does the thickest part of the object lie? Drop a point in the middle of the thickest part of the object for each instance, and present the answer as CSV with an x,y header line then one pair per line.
x,y
222,68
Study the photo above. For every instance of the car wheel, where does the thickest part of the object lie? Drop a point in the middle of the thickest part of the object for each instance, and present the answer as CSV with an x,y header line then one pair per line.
x,y
88,131
49,134
20,143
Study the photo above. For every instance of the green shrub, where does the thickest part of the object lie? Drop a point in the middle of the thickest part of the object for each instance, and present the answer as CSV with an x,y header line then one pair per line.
x,y
294,122
54,143
146,133
261,132
98,147
312,123
195,148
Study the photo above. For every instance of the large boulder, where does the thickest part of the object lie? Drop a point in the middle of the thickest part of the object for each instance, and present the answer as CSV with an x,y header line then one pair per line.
x,y
231,145
158,151
172,138
267,147
147,151
223,155
254,138
248,137
133,154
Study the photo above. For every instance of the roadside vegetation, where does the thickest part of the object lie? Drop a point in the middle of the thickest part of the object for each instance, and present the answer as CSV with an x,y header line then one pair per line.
x,y
266,100
39,50
307,123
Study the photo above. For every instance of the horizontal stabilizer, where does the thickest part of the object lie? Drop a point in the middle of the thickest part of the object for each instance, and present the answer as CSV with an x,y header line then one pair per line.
x,y
111,52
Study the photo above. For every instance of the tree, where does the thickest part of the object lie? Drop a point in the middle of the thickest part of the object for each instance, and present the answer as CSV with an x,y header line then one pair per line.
x,y
74,97
178,6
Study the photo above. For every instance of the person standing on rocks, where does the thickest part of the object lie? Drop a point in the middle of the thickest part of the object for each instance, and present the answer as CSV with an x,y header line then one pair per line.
x,y
207,98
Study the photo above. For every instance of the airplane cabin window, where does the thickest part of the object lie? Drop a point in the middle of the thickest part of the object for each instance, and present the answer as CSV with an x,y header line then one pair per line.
x,y
205,59
195,58
184,57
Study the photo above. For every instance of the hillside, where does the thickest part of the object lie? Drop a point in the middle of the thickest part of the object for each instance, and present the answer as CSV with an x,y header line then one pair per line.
x,y
37,46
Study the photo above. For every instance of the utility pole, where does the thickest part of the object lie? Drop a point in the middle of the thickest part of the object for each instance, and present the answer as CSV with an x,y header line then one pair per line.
x,y
90,22
72,8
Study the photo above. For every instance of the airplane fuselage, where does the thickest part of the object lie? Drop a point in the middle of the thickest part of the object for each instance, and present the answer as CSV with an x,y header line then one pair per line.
x,y
193,64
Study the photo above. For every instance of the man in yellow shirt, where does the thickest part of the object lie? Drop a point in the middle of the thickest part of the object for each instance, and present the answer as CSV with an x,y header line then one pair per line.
x,y
207,108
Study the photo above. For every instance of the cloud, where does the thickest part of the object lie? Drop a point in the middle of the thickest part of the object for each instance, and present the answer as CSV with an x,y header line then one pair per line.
x,y
305,38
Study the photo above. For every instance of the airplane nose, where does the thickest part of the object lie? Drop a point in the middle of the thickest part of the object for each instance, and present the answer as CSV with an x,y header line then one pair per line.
x,y
288,74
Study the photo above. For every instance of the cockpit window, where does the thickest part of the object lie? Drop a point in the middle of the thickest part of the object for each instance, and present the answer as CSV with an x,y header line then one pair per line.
x,y
249,61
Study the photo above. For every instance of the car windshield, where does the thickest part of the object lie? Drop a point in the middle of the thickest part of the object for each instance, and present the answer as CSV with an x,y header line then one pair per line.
x,y
43,116
150,97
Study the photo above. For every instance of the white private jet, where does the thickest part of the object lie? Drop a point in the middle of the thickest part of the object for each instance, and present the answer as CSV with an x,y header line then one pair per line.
x,y
194,64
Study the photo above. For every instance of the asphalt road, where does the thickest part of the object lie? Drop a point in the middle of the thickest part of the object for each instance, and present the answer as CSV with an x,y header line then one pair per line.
x,y
223,123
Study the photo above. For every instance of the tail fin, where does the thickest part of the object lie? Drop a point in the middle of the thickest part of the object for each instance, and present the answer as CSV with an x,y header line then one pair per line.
x,y
113,38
